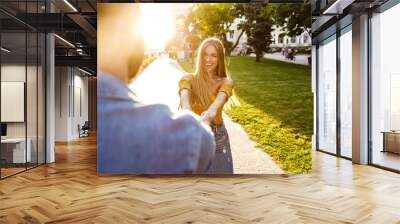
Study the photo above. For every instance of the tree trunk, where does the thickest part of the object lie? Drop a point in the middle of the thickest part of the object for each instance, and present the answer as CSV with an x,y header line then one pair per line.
x,y
236,43
258,57
225,41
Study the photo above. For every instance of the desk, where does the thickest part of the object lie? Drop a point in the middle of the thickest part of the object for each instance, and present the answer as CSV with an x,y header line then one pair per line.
x,y
391,141
17,150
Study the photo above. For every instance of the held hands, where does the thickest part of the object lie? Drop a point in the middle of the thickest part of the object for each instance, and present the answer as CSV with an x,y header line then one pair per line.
x,y
208,116
186,108
185,99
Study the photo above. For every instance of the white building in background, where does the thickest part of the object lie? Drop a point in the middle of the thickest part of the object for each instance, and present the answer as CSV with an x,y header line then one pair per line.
x,y
279,39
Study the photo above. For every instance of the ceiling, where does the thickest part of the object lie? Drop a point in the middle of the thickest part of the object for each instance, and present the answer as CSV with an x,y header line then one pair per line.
x,y
74,22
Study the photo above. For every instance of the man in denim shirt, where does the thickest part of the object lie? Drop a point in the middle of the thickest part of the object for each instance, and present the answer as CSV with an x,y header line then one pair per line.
x,y
133,138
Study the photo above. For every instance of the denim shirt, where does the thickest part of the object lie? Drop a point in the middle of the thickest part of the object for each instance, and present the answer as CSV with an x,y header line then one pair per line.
x,y
133,138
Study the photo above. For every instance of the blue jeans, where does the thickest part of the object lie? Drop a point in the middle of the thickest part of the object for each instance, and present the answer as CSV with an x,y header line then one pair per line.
x,y
222,163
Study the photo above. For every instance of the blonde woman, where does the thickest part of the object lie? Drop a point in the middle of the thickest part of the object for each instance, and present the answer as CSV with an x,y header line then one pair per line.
x,y
205,92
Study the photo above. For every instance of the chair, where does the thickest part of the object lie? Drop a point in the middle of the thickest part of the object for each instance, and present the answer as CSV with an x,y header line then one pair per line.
x,y
84,130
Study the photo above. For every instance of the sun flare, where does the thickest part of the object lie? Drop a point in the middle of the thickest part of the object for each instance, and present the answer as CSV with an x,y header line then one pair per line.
x,y
156,25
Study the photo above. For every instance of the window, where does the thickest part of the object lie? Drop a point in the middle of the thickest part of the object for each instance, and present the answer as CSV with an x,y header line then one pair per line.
x,y
22,65
280,39
327,95
346,92
305,38
385,88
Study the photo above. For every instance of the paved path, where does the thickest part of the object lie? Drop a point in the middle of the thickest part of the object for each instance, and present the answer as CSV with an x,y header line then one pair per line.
x,y
159,84
299,58
247,158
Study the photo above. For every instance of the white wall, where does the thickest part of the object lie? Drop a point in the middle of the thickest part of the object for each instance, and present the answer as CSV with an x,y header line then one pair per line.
x,y
15,72
33,126
62,81
71,94
80,110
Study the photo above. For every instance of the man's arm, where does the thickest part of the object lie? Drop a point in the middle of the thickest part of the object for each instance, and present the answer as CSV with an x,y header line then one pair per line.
x,y
189,143
207,151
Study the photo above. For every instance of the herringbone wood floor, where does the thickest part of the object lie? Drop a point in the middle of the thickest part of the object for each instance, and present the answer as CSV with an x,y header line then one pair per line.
x,y
70,191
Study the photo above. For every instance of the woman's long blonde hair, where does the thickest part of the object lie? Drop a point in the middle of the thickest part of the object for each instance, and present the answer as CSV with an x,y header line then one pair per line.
x,y
200,88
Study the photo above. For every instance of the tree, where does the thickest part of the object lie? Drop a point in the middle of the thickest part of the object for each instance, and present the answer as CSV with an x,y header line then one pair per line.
x,y
193,41
257,24
294,18
171,47
212,19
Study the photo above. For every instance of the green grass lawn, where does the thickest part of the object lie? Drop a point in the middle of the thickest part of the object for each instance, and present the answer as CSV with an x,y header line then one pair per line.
x,y
276,108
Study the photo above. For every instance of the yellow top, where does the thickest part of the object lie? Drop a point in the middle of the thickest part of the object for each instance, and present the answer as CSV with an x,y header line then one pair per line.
x,y
186,83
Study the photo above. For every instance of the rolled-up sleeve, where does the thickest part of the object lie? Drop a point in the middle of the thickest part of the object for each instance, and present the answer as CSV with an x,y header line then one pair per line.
x,y
227,87
185,83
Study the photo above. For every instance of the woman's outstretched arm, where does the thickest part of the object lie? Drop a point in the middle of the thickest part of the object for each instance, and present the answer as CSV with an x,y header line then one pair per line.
x,y
185,99
185,87
224,93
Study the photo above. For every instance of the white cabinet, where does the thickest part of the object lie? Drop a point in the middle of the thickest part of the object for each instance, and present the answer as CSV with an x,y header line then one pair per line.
x,y
18,149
